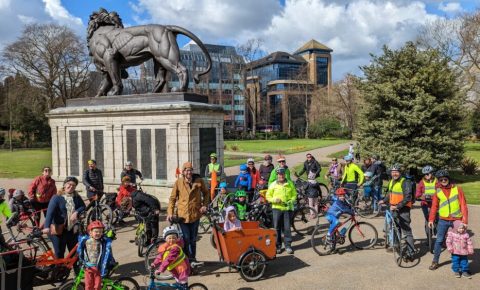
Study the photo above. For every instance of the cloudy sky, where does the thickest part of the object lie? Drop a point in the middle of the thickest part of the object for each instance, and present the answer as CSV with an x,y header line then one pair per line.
x,y
353,29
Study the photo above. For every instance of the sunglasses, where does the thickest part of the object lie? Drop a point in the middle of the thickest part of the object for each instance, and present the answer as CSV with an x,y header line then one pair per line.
x,y
281,161
443,179
47,170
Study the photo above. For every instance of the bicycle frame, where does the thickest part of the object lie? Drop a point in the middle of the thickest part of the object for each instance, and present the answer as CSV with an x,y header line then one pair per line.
x,y
107,283
49,258
152,285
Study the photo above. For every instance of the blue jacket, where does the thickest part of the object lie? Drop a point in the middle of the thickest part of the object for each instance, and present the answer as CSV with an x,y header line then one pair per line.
x,y
106,256
57,209
339,207
244,179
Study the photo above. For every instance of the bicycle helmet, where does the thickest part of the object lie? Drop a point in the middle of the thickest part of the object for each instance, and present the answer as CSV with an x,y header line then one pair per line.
x,y
240,193
2,192
18,192
340,191
442,173
250,160
128,163
91,161
243,167
222,185
396,167
213,155
170,230
427,170
347,158
368,174
95,225
280,170
70,178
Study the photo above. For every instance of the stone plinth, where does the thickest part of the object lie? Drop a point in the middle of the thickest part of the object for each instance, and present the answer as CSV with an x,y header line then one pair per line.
x,y
157,132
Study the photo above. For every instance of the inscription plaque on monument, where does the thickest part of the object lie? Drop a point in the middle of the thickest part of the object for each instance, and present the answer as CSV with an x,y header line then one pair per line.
x,y
132,146
161,153
98,147
73,140
146,152
86,149
208,144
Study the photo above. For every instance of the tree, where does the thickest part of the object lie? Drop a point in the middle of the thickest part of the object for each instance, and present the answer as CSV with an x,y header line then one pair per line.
x,y
412,112
53,59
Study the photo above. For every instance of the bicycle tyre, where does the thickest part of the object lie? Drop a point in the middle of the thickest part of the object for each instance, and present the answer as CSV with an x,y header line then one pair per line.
x,y
102,210
38,249
141,245
318,241
204,225
252,266
364,207
430,238
120,283
303,221
386,234
150,255
70,286
397,247
363,230
323,190
198,286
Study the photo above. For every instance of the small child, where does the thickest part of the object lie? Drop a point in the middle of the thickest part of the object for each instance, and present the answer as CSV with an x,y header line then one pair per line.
x,y
172,258
339,207
244,180
312,189
218,201
241,204
460,245
232,223
19,203
124,197
95,252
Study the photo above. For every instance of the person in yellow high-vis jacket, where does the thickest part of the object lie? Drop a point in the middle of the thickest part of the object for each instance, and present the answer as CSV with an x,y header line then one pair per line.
x,y
352,175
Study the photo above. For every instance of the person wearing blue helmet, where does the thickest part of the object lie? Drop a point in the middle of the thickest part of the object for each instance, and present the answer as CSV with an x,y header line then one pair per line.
x,y
244,180
353,176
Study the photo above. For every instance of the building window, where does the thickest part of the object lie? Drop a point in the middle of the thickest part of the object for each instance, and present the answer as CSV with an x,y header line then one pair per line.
x,y
322,71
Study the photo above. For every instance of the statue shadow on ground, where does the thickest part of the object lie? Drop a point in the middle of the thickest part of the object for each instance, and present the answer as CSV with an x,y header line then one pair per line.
x,y
131,269
283,265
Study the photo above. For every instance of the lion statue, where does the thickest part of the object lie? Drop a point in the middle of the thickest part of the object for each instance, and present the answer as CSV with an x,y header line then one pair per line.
x,y
115,48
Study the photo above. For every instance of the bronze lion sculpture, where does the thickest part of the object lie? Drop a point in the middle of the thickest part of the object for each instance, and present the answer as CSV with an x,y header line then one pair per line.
x,y
115,48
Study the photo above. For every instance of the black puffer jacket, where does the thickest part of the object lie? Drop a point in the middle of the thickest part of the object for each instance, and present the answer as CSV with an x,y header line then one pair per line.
x,y
144,203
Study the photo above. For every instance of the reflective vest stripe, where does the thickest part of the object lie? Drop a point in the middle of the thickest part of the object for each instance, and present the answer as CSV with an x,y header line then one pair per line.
x,y
177,262
212,167
452,199
449,207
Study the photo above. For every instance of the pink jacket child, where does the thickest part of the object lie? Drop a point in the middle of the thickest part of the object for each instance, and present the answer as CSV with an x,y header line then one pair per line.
x,y
460,245
171,257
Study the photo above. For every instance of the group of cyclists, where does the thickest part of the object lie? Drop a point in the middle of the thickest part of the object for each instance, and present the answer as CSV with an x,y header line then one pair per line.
x,y
442,201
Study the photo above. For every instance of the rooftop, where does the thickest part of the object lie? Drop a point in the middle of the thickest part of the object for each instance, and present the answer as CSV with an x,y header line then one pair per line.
x,y
313,45
277,57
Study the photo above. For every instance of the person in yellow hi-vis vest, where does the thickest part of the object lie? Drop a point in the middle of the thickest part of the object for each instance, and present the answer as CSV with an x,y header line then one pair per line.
x,y
399,198
450,204
352,175
213,166
426,189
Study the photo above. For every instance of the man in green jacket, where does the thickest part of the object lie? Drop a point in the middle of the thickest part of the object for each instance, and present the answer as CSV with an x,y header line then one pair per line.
x,y
352,175
282,163
282,195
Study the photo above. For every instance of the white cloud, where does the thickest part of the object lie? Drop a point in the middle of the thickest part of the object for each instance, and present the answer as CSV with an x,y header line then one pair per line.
x,y
451,7
55,9
4,4
26,19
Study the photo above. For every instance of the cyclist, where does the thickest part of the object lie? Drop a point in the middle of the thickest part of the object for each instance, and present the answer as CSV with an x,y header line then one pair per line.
x,y
282,194
339,207
123,200
95,253
266,167
399,198
41,191
147,205
172,258
131,172
5,211
450,204
254,174
426,189
310,165
335,173
282,163
213,166
380,171
241,204
19,203
93,180
352,175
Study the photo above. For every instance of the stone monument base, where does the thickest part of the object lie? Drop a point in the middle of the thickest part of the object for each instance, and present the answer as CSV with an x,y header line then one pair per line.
x,y
157,132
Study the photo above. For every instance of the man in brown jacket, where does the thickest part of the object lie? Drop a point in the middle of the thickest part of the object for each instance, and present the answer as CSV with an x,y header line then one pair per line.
x,y
192,197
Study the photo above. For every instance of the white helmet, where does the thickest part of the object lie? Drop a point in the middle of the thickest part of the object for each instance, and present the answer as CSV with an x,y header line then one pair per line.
x,y
170,230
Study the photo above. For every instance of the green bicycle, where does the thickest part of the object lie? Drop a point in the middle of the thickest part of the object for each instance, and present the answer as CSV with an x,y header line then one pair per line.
x,y
122,283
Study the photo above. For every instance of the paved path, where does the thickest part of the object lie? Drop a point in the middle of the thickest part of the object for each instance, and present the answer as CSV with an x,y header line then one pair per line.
x,y
293,159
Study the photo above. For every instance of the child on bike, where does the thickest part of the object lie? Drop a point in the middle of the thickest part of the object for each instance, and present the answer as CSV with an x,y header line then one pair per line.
x,y
19,203
244,180
459,244
340,206
95,253
124,197
241,204
147,205
232,223
172,258
312,189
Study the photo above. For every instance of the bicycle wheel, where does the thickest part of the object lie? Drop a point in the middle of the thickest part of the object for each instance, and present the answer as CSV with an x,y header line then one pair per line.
x,y
430,238
141,244
397,247
34,249
150,255
125,283
197,286
386,234
364,207
204,225
319,242
101,212
324,190
304,220
70,285
363,235
252,266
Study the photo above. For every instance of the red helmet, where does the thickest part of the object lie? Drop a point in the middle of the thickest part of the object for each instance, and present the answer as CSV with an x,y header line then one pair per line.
x,y
341,191
95,225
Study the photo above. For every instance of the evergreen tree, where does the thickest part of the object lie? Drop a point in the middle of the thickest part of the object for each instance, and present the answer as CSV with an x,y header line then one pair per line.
x,y
412,112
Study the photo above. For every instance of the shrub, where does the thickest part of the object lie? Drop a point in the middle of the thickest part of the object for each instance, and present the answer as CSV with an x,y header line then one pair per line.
x,y
469,166
328,127
234,147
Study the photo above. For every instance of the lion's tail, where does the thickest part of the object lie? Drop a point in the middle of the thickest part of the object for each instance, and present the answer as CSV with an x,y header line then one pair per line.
x,y
180,30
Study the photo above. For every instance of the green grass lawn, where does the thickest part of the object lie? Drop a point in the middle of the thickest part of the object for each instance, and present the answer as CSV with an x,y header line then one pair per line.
x,y
339,155
280,146
233,160
473,150
24,163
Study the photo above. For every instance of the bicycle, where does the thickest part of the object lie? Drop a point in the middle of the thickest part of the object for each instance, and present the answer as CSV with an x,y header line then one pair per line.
x,y
403,253
141,239
362,235
99,211
122,283
364,205
153,285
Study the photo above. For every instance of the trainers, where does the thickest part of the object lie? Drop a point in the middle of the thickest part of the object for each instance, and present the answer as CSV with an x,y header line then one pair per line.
x,y
457,274
467,275
289,250
279,251
433,266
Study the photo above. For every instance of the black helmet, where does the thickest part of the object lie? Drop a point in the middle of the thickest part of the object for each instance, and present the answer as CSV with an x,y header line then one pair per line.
x,y
442,173
71,178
